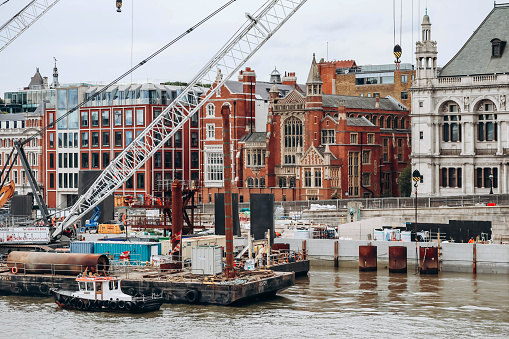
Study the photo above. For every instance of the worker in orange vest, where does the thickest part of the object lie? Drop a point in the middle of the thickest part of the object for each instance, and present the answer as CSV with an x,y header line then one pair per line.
x,y
471,241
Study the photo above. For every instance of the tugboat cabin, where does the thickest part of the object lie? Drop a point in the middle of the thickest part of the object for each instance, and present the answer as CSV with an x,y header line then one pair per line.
x,y
100,288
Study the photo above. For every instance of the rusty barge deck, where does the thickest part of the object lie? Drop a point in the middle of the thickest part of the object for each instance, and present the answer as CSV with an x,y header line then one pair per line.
x,y
176,287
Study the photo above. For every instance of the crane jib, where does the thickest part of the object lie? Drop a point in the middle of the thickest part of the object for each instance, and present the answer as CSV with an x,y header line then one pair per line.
x,y
224,64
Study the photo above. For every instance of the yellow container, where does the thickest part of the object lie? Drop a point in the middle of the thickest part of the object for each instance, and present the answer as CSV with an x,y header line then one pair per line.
x,y
109,229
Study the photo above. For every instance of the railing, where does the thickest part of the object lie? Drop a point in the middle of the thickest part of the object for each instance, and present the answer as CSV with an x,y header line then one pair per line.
x,y
383,203
485,151
483,78
449,80
450,151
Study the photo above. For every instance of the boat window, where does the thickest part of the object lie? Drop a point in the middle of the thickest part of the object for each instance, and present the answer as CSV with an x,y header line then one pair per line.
x,y
90,286
99,286
82,285
111,285
116,284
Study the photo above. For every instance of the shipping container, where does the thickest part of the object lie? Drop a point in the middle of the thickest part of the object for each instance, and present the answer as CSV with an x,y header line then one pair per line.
x,y
165,247
140,252
207,260
82,247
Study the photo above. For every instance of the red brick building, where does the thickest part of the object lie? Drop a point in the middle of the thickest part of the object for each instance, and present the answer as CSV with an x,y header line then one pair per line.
x,y
319,146
89,138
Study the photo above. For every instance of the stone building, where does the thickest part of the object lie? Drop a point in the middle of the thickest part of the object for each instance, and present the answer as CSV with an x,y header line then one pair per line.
x,y
460,121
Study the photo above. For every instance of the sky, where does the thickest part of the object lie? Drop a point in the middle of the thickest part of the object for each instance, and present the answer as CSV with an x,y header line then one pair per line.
x,y
95,44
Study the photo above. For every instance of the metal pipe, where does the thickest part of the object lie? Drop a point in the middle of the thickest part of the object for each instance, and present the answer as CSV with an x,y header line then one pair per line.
x,y
228,213
57,263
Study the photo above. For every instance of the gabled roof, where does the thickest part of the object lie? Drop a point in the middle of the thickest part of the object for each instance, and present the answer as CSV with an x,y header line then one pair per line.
x,y
261,88
333,100
345,64
255,137
474,57
362,121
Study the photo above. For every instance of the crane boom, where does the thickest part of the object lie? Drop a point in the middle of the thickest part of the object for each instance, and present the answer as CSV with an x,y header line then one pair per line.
x,y
23,20
257,30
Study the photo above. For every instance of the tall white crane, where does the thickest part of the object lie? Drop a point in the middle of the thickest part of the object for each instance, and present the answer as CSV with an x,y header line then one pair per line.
x,y
257,30
23,20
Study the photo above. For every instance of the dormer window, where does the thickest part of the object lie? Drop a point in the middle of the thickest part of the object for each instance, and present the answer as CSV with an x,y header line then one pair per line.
x,y
497,47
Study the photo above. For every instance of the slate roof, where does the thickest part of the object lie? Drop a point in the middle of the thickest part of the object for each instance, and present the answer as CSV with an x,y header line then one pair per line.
x,y
474,58
362,121
12,117
261,88
254,137
314,73
36,80
333,100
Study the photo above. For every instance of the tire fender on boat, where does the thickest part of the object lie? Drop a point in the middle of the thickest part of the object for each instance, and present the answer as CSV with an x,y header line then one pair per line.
x,y
121,304
44,289
141,304
80,304
128,306
113,305
192,296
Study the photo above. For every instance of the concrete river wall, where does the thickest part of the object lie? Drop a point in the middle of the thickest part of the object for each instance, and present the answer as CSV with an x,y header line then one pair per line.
x,y
455,257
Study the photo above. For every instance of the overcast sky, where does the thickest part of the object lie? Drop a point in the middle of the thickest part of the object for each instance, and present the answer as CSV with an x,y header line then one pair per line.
x,y
92,42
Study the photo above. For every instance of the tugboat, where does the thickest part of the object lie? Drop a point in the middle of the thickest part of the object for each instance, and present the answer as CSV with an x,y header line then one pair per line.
x,y
98,293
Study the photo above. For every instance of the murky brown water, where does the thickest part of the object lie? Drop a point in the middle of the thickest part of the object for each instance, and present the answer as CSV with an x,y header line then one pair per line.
x,y
344,303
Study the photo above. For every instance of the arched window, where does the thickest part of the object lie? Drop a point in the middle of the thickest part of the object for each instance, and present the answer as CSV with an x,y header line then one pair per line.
x,y
262,182
389,122
373,119
293,133
282,182
486,121
381,122
396,123
250,182
210,110
292,182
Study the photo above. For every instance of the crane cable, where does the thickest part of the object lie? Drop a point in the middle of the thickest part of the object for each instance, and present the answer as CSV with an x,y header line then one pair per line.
x,y
208,17
3,3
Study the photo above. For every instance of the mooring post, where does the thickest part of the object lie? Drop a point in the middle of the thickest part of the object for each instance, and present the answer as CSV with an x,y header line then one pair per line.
x,y
474,257
336,254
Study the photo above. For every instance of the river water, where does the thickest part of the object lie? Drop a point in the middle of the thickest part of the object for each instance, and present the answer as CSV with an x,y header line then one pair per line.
x,y
330,303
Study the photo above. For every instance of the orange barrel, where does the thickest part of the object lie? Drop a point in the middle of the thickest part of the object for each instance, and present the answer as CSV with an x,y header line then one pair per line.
x,y
367,258
428,260
57,263
397,259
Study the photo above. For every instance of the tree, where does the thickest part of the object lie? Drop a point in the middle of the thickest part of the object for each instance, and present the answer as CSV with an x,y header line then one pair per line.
x,y
405,182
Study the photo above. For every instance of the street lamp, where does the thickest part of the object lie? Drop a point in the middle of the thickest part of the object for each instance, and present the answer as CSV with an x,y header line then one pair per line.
x,y
491,183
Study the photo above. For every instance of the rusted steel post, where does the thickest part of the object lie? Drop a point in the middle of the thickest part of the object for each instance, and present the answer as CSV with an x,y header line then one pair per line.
x,y
177,219
397,259
228,213
304,250
474,263
336,254
367,258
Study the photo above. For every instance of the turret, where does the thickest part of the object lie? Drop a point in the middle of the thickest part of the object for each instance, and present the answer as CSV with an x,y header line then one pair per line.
x,y
426,52
55,76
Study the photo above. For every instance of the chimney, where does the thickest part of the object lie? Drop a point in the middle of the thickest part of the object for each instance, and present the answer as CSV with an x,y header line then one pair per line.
x,y
290,79
377,103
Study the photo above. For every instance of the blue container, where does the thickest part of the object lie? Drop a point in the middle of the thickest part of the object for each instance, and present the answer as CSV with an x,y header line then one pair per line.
x,y
86,247
141,252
